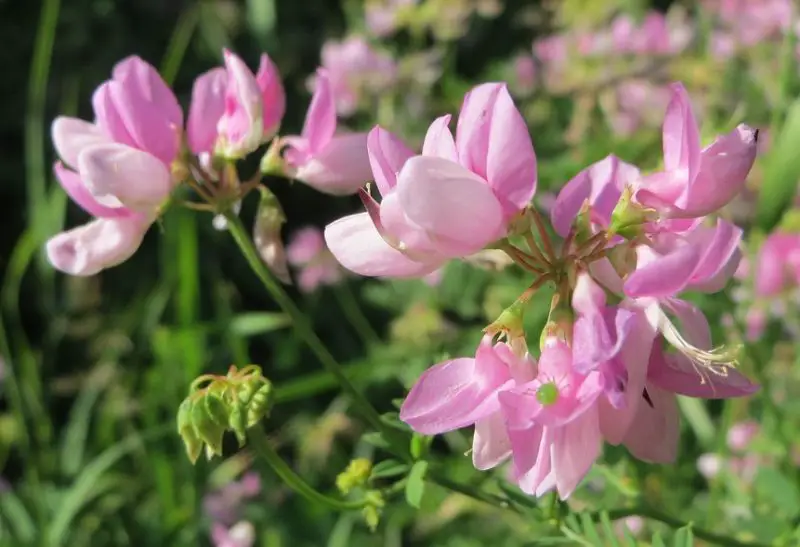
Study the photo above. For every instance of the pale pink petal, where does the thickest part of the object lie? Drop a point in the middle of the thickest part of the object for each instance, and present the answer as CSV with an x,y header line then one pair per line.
x,y
439,140
511,160
72,135
654,431
474,127
576,446
720,254
771,268
320,124
454,205
400,229
75,188
241,124
693,322
453,394
531,456
207,107
137,179
151,86
665,275
357,245
107,116
680,134
341,167
387,154
490,444
101,244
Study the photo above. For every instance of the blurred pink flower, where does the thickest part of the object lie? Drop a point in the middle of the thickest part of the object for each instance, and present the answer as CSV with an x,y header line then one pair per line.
x,y
381,15
241,534
225,504
355,69
741,434
307,252
709,465
329,161
778,264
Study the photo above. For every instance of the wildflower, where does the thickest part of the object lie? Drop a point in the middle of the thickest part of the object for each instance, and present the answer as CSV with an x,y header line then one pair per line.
x,y
329,162
453,200
307,252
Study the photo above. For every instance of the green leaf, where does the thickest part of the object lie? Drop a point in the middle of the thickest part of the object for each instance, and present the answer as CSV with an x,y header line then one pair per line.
x,y
590,529
415,485
387,469
683,537
376,440
657,540
781,172
608,529
252,324
261,17
14,513
77,430
779,490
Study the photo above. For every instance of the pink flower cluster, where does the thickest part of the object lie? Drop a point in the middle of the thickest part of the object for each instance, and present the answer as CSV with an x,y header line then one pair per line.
x,y
224,507
621,343
744,23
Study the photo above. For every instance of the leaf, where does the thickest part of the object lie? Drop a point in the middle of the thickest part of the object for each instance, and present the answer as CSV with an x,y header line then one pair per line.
x,y
608,529
415,485
781,172
252,324
80,417
590,529
779,490
261,17
387,469
13,511
657,540
376,440
696,414
683,537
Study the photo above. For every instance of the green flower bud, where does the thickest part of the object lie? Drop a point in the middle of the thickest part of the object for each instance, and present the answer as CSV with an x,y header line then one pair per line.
x,y
372,511
238,422
260,403
272,163
628,217
187,431
267,235
356,474
209,431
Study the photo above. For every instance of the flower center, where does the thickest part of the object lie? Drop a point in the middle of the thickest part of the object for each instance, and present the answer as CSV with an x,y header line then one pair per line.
x,y
547,394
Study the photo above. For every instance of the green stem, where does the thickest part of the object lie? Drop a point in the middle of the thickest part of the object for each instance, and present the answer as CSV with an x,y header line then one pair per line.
x,y
355,316
654,514
303,329
258,440
474,493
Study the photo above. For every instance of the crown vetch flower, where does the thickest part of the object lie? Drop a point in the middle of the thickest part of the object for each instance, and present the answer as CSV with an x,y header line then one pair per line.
x,y
331,162
117,169
234,111
451,201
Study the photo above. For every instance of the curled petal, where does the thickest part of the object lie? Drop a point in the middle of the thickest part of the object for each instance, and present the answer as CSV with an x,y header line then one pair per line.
x,y
241,124
665,275
653,433
72,135
273,95
101,244
320,124
490,444
680,134
357,245
75,188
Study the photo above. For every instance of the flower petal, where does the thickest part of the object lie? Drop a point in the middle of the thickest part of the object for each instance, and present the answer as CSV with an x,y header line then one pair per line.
x,y
72,135
665,275
654,431
207,107
357,245
320,124
490,443
576,446
137,179
439,140
101,244
387,154
680,134
454,205
75,188
340,168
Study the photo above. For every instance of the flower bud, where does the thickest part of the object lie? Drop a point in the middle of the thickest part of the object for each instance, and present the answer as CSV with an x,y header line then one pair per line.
x,y
267,235
188,432
209,430
356,474
559,322
628,217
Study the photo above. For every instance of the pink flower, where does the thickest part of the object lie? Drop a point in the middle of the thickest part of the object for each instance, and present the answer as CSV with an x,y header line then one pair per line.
x,y
382,15
117,169
778,264
451,201
242,534
601,183
224,505
307,252
330,162
233,110
709,465
354,68
695,181
741,434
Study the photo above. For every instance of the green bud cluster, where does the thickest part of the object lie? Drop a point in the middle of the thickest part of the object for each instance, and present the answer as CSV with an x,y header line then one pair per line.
x,y
217,404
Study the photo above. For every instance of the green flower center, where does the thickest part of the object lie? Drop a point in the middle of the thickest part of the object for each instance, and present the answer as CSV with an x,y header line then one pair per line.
x,y
547,394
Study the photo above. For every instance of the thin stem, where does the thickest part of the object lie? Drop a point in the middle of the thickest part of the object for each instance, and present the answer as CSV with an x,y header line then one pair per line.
x,y
567,243
262,447
548,245
655,514
534,247
304,330
355,316
521,258
535,286
474,493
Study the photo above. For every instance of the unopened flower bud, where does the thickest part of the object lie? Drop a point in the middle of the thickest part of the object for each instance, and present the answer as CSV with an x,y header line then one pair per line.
x,y
372,511
267,235
628,217
272,162
187,431
209,430
510,321
559,322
